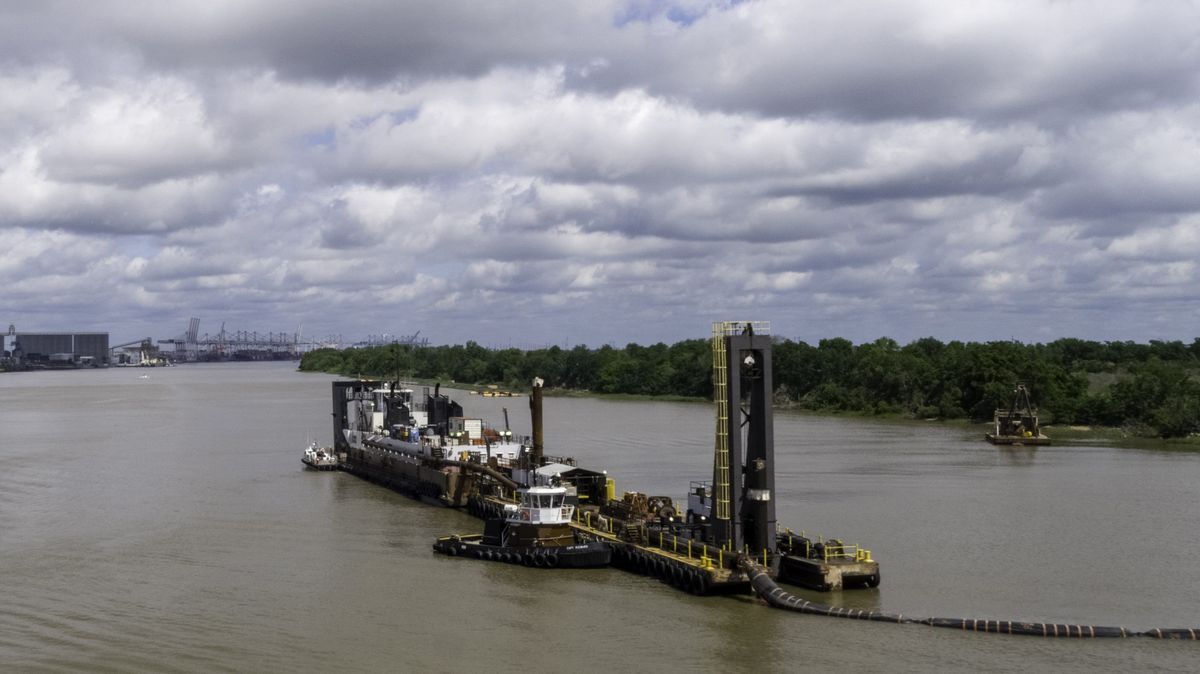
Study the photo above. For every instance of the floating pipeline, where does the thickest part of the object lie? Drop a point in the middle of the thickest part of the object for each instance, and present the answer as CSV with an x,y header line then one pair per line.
x,y
698,581
777,597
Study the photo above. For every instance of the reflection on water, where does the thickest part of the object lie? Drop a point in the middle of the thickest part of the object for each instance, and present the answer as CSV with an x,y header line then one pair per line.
x,y
1017,455
167,524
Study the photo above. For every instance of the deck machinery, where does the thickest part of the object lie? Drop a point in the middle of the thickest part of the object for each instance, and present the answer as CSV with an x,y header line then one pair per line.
x,y
733,515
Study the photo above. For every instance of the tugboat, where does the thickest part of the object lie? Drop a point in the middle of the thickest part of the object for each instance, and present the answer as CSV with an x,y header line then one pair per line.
x,y
535,532
319,458
1017,425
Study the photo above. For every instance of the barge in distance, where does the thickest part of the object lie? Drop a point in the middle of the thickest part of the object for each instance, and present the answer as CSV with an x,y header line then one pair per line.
x,y
1017,425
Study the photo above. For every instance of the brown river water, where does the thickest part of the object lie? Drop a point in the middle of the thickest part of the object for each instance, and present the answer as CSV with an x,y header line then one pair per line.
x,y
166,524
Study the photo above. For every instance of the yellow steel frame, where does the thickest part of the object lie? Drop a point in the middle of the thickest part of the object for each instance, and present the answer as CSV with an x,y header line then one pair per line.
x,y
722,329
720,396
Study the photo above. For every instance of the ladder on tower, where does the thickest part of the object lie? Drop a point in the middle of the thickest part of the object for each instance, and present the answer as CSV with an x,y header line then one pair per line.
x,y
721,397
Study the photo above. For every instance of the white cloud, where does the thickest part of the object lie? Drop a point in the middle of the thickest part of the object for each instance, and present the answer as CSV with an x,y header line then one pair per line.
x,y
133,134
618,171
1180,241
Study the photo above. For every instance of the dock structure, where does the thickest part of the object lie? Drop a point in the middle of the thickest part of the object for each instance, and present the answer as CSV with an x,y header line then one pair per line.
x,y
191,346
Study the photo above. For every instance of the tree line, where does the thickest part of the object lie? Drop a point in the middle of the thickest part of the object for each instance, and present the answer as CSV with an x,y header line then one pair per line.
x,y
1149,389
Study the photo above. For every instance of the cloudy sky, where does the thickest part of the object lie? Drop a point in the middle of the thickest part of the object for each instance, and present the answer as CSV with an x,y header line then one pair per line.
x,y
602,172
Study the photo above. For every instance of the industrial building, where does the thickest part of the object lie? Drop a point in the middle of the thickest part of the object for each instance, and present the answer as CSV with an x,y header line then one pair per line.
x,y
56,349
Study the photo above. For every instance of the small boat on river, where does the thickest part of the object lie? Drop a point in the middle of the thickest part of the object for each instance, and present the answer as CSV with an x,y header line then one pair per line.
x,y
319,458
535,532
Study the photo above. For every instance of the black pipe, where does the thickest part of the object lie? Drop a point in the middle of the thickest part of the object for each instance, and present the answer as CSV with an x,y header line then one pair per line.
x,y
777,597
1028,629
780,598
535,412
1186,633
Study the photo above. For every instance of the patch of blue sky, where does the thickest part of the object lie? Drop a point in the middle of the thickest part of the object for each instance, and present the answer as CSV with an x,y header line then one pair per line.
x,y
680,13
399,117
141,245
394,117
324,138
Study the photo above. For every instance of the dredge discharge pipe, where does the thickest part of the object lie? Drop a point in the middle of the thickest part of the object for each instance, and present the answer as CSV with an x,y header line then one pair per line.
x,y
777,597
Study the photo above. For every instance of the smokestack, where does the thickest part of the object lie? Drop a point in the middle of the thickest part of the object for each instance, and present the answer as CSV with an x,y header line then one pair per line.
x,y
535,411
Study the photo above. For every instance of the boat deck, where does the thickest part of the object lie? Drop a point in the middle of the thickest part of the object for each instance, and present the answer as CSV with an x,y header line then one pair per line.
x,y
681,562
1017,439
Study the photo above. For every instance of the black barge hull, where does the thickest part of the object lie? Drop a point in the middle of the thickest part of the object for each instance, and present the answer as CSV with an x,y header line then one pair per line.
x,y
1017,439
588,555
824,576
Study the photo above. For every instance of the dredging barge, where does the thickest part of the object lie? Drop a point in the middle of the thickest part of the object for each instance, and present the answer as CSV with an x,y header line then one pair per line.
x,y
424,447
727,541
1017,425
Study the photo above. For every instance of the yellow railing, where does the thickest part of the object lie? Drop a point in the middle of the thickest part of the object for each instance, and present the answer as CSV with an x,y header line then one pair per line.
x,y
852,551
585,518
841,551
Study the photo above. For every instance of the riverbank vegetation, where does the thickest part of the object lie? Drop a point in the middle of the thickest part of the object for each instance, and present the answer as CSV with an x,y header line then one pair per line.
x,y
1146,389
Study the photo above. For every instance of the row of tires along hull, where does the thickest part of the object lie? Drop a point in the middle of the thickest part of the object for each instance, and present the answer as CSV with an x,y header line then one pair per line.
x,y
675,573
543,558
